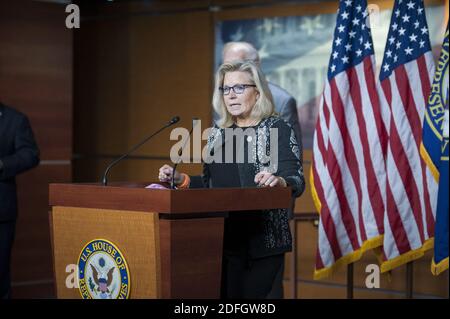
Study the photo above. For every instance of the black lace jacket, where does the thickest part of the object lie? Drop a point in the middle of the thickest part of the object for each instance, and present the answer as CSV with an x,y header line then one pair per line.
x,y
272,147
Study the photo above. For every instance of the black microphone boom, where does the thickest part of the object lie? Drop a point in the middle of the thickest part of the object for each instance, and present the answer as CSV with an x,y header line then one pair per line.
x,y
180,152
174,120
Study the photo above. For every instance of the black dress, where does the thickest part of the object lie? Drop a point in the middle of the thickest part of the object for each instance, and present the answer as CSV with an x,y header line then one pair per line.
x,y
254,242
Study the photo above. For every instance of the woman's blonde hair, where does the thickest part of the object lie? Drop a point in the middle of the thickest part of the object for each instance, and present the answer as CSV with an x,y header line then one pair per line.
x,y
263,107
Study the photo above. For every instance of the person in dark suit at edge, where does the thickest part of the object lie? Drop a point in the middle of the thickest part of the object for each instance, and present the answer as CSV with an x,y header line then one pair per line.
x,y
285,106
18,153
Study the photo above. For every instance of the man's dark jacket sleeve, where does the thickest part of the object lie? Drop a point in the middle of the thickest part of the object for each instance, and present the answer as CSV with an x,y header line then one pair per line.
x,y
18,153
26,152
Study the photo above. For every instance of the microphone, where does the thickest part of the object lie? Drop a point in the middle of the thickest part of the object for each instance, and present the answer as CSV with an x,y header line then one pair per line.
x,y
174,120
180,152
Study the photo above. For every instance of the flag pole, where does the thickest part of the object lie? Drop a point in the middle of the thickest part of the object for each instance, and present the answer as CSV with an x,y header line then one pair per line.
x,y
409,280
294,259
350,281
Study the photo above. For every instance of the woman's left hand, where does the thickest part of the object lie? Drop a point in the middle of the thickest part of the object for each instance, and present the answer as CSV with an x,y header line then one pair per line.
x,y
265,179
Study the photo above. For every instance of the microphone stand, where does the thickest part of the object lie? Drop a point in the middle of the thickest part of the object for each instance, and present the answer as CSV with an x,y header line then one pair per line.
x,y
113,163
180,152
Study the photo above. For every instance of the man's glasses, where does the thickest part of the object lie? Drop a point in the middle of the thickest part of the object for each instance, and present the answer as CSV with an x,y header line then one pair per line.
x,y
238,88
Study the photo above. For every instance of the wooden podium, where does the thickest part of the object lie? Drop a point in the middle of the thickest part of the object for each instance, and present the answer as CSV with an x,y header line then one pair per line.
x,y
171,239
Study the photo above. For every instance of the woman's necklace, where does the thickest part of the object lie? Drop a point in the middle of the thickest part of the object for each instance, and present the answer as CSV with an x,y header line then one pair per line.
x,y
252,123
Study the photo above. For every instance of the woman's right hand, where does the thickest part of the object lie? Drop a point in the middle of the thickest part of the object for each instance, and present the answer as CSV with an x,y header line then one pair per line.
x,y
165,175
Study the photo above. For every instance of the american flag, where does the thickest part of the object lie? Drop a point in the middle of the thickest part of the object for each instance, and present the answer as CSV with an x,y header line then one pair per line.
x,y
405,78
348,170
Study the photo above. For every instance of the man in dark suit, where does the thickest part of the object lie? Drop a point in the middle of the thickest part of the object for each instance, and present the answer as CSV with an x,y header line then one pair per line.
x,y
286,107
18,153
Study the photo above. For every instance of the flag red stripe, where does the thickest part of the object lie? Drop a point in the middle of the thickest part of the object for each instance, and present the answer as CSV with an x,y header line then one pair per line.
x,y
335,170
425,78
347,217
426,90
387,90
355,93
326,219
407,176
374,191
325,212
372,183
319,262
382,138
405,92
416,125
376,106
326,112
396,224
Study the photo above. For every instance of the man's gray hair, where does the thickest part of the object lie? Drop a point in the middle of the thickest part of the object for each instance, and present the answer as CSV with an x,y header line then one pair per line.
x,y
246,49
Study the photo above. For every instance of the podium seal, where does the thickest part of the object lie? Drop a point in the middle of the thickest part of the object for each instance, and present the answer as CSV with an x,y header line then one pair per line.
x,y
103,271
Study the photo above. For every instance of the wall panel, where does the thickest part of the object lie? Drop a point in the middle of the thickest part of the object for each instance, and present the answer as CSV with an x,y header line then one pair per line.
x,y
36,79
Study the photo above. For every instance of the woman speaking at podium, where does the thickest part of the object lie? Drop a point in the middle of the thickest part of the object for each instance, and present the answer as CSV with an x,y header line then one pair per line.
x,y
254,244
